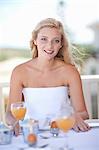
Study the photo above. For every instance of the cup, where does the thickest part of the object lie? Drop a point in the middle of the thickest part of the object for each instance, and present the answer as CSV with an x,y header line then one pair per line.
x,y
29,127
5,134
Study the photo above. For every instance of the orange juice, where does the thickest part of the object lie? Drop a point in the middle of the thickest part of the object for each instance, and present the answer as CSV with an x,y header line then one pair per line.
x,y
65,123
18,113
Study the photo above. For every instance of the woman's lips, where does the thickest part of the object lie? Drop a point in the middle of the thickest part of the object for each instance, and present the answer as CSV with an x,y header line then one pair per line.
x,y
48,51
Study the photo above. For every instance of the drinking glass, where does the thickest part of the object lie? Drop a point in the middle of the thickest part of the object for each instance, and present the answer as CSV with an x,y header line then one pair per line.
x,y
65,123
18,111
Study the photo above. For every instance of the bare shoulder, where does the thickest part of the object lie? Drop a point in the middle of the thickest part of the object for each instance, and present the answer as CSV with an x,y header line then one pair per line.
x,y
71,72
72,69
69,68
21,68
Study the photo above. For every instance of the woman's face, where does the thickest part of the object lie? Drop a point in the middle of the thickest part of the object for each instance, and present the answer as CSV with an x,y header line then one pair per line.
x,y
48,42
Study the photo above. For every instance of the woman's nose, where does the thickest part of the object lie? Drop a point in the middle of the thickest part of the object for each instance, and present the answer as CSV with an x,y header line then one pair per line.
x,y
50,45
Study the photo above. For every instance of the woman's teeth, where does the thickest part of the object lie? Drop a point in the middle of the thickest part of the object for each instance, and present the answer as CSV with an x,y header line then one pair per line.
x,y
48,52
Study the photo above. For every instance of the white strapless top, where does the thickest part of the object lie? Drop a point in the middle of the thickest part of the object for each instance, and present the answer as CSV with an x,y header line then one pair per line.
x,y
43,102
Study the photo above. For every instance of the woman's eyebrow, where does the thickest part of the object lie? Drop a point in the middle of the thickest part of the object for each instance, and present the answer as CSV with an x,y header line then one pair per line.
x,y
43,36
52,38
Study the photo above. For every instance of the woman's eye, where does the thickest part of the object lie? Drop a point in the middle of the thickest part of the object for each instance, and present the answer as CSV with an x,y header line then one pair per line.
x,y
57,41
43,39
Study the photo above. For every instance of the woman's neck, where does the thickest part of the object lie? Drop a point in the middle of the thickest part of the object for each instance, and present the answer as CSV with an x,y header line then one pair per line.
x,y
43,65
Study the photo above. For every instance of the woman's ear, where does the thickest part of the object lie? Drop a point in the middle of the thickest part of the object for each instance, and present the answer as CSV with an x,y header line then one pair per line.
x,y
35,42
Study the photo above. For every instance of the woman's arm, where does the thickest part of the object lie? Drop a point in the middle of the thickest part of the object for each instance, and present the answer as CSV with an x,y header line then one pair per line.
x,y
15,95
77,100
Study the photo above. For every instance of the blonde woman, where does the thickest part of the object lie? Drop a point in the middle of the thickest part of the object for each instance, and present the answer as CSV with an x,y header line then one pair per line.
x,y
44,80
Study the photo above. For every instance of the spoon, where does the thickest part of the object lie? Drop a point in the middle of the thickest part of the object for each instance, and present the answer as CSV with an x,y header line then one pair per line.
x,y
44,137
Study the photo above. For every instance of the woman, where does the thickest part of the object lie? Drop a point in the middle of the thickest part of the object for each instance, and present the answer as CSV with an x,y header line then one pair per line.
x,y
44,80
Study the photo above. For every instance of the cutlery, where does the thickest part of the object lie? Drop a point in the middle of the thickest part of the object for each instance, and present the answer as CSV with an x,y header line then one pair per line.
x,y
44,137
42,146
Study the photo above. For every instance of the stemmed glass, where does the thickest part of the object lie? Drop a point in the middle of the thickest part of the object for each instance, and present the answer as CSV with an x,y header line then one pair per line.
x,y
18,111
65,123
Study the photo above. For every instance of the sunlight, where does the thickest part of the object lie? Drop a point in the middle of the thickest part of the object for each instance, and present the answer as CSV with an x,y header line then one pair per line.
x,y
19,18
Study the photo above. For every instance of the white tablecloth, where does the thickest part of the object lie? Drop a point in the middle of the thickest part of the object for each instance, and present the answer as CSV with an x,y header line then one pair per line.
x,y
77,141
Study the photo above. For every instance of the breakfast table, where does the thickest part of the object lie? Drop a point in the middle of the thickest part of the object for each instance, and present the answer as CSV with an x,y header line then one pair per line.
x,y
88,140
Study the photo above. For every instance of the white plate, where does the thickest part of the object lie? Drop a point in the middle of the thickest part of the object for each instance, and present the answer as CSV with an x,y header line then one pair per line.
x,y
93,122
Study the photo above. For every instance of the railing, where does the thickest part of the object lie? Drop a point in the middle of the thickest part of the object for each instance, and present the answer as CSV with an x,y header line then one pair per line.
x,y
91,93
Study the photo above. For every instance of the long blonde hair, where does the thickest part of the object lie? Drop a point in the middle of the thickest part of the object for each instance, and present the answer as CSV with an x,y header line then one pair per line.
x,y
64,53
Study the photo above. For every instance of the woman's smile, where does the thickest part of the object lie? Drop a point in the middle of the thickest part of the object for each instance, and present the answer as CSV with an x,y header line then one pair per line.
x,y
48,42
49,51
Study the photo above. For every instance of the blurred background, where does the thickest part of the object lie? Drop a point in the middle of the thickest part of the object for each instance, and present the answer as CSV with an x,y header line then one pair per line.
x,y
81,21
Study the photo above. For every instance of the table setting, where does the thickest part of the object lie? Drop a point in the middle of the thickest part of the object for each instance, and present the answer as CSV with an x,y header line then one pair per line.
x,y
48,134
83,141
45,140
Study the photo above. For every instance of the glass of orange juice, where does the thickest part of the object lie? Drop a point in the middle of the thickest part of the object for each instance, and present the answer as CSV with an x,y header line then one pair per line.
x,y
65,123
65,119
18,111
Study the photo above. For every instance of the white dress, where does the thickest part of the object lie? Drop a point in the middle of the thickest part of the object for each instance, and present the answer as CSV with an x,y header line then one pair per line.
x,y
44,102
